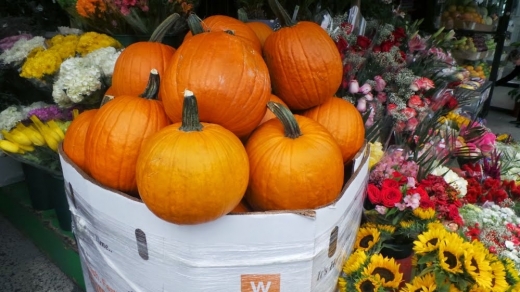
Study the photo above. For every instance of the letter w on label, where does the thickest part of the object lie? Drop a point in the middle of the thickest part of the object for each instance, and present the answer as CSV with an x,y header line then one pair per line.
x,y
260,283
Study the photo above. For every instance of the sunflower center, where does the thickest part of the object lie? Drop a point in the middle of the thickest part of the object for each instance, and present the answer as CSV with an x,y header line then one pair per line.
x,y
433,241
451,259
474,264
367,286
365,241
384,273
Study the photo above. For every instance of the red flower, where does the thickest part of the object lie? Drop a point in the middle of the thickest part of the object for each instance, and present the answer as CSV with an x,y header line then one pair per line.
x,y
392,108
389,183
399,34
386,46
374,194
409,112
363,42
390,197
399,177
491,183
342,44
403,55
415,102
452,103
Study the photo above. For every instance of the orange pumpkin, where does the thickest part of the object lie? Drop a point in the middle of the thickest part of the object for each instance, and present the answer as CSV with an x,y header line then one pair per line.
x,y
116,133
74,141
217,23
269,114
295,163
304,63
232,85
343,121
133,65
261,30
200,170
242,207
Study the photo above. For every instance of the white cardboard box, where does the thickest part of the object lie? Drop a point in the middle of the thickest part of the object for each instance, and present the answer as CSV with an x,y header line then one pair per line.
x,y
124,247
10,171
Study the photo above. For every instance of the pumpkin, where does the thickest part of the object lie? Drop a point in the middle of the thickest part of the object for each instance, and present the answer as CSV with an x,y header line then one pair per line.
x,y
261,30
116,133
221,23
133,65
192,172
269,114
343,121
74,141
304,63
295,163
232,85
242,207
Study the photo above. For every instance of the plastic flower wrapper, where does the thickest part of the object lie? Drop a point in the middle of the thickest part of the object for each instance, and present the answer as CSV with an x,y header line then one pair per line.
x,y
509,160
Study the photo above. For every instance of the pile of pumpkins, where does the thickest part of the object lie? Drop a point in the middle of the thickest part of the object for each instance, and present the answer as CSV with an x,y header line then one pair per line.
x,y
239,118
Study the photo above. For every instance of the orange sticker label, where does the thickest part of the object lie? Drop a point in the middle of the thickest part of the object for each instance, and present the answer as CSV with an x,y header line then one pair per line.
x,y
260,283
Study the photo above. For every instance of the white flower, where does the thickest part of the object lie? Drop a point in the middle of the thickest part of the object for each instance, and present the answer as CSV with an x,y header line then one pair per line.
x,y
78,78
21,49
453,179
105,59
10,117
65,30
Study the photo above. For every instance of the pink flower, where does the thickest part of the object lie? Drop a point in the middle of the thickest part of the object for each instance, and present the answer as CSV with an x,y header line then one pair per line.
x,y
400,206
416,102
487,143
365,89
380,83
369,96
381,209
409,112
370,120
392,108
399,126
413,201
381,96
353,86
362,105
411,182
416,44
422,83
411,124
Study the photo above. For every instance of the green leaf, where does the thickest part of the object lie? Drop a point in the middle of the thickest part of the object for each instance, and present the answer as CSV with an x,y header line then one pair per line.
x,y
427,258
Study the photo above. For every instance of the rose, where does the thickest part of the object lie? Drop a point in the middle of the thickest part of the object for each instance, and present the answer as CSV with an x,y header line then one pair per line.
x,y
411,124
415,102
374,194
363,42
390,197
365,89
353,86
362,104
342,44
386,46
380,83
381,96
409,112
392,108
389,183
399,34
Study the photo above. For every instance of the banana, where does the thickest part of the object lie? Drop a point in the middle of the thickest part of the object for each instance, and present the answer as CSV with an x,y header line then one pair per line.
x,y
54,126
16,137
9,146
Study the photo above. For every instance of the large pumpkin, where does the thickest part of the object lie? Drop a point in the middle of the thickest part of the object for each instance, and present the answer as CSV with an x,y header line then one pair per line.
x,y
133,65
232,83
295,164
74,141
192,172
216,23
269,114
116,133
304,63
261,30
343,121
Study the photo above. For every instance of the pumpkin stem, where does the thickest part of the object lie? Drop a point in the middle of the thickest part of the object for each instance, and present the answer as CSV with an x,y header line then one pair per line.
x,y
190,113
152,88
280,13
195,24
291,127
161,30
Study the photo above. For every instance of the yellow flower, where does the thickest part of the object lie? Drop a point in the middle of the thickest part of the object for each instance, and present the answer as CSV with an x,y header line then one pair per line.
x,y
367,284
355,262
376,153
478,267
429,241
477,288
44,63
91,41
385,270
436,225
388,228
35,51
366,238
503,137
499,283
425,283
406,224
424,214
450,257
65,46
342,285
511,272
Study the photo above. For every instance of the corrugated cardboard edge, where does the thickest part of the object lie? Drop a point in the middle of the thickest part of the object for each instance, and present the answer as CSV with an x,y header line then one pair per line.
x,y
310,213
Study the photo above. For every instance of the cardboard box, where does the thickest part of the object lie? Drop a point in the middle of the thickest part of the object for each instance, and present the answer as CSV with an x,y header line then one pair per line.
x,y
10,171
124,247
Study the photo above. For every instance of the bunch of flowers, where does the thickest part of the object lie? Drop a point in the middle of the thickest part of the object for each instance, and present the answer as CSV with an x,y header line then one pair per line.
x,y
448,262
509,160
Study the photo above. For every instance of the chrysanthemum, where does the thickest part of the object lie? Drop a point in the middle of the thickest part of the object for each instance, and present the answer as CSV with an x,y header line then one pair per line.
x,y
498,283
384,269
366,238
450,257
423,213
355,262
367,284
478,267
429,241
425,283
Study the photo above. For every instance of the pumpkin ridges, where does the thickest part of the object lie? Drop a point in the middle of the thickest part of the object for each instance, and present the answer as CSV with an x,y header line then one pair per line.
x,y
74,141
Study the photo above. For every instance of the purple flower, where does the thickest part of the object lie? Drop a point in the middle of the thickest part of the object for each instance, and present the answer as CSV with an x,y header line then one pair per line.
x,y
45,114
8,42
416,44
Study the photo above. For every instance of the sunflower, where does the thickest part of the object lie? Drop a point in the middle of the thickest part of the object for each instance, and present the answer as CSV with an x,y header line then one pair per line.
x,y
478,267
366,238
429,241
387,228
512,276
498,283
477,288
406,224
454,288
436,225
449,257
425,283
423,213
342,285
384,269
368,284
356,260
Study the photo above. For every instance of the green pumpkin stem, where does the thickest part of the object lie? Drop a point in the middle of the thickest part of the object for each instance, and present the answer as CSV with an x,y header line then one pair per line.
x,y
280,13
195,24
152,88
161,30
190,113
290,126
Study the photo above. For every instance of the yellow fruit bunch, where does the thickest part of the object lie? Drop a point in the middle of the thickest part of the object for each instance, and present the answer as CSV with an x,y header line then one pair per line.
x,y
23,138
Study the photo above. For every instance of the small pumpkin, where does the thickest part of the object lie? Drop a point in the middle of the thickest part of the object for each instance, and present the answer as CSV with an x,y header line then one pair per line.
x,y
242,207
221,23
74,141
269,114
343,121
132,67
200,170
116,133
232,84
304,63
261,30
295,163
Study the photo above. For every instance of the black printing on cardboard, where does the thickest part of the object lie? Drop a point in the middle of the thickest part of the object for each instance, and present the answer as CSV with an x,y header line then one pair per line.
x,y
102,244
326,270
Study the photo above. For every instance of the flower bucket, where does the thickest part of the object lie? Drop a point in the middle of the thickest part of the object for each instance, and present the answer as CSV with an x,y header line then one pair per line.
x,y
37,183
403,255
56,187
